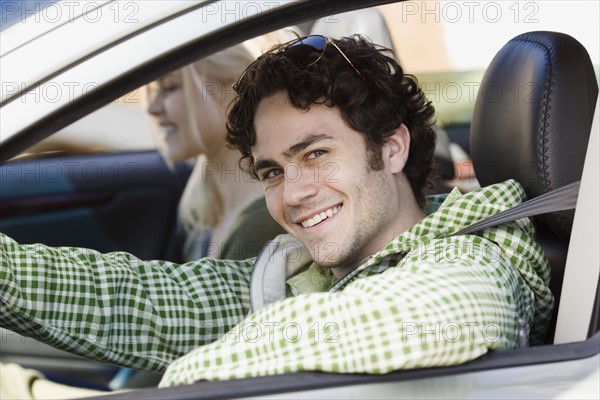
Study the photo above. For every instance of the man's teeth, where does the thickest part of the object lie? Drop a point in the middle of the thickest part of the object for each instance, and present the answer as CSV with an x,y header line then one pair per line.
x,y
320,217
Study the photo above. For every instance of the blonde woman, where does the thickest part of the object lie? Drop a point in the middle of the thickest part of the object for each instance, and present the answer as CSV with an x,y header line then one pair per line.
x,y
222,211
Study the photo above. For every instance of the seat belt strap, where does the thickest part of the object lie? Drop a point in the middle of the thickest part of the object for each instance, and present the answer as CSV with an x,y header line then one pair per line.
x,y
563,198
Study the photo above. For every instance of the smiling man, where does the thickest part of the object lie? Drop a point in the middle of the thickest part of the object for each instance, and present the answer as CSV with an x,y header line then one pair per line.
x,y
370,278
321,188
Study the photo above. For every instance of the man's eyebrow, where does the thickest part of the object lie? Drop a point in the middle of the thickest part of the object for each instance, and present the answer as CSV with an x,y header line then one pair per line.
x,y
307,141
262,163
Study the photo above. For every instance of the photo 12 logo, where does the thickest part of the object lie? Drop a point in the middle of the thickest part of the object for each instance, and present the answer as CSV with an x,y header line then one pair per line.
x,y
290,332
59,92
470,11
69,11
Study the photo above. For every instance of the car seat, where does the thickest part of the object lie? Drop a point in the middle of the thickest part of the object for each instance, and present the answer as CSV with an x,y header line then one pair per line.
x,y
531,123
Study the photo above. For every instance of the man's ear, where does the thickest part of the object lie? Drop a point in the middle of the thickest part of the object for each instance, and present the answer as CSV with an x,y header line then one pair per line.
x,y
398,145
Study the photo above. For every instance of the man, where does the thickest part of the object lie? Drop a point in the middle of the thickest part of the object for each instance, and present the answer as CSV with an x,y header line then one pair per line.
x,y
371,278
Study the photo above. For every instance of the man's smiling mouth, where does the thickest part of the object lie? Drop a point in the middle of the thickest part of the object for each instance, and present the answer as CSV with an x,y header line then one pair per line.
x,y
315,219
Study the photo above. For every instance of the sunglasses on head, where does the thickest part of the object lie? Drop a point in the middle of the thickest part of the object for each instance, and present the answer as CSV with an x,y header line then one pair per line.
x,y
306,51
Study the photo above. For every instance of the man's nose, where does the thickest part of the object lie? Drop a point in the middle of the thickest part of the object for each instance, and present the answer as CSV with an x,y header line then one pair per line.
x,y
299,185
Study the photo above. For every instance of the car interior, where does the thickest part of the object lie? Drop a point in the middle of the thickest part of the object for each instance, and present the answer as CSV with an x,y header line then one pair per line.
x,y
532,139
538,138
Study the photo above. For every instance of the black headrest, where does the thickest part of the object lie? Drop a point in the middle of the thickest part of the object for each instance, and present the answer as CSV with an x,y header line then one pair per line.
x,y
533,115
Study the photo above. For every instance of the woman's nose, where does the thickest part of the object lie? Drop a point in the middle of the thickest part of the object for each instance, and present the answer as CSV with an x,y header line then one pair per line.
x,y
155,106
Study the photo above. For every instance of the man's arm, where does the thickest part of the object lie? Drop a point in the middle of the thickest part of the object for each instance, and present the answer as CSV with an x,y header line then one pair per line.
x,y
426,311
115,308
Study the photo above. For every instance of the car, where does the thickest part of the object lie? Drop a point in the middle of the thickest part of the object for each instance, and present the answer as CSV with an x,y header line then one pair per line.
x,y
78,167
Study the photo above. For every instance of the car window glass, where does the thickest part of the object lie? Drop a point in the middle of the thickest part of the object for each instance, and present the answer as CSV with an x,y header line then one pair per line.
x,y
12,12
122,125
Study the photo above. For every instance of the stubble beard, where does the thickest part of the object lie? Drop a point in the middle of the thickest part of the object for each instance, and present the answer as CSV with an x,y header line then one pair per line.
x,y
352,250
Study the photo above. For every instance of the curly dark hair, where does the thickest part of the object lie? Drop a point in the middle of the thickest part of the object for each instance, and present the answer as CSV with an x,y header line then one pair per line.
x,y
375,105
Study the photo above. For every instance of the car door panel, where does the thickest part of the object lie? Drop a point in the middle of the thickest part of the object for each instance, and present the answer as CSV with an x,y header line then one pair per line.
x,y
107,202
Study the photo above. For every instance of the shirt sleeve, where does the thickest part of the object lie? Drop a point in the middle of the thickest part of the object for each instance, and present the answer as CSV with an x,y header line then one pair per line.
x,y
116,308
438,306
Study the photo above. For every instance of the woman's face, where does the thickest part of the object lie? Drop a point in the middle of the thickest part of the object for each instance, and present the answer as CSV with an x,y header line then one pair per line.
x,y
186,136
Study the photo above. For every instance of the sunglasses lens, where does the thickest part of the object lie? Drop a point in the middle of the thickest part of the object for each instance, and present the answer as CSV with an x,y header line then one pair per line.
x,y
306,51
318,42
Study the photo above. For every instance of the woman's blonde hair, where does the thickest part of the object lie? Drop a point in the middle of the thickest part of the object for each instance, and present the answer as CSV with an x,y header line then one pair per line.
x,y
201,205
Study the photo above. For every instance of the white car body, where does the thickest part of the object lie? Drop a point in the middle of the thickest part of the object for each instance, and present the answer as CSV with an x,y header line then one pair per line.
x,y
42,78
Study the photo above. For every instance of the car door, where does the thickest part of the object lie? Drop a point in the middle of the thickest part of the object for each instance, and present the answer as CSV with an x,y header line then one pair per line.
x,y
107,202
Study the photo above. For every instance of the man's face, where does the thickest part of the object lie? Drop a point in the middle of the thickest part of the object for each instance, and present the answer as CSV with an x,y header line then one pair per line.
x,y
319,186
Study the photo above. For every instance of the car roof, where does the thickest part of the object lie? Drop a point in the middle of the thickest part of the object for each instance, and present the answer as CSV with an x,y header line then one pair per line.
x,y
88,31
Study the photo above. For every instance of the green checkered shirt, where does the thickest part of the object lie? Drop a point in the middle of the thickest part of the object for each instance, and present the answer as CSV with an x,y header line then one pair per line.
x,y
427,299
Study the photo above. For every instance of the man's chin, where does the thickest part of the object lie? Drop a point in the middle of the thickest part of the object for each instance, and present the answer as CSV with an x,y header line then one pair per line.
x,y
325,254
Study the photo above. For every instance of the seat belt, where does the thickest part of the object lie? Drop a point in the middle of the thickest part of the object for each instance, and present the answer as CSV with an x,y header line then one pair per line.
x,y
563,198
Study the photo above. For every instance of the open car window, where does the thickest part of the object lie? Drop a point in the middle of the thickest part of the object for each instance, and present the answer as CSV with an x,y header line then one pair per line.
x,y
447,45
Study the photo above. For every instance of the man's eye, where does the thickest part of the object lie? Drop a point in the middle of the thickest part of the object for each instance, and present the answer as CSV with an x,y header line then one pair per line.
x,y
315,154
271,174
